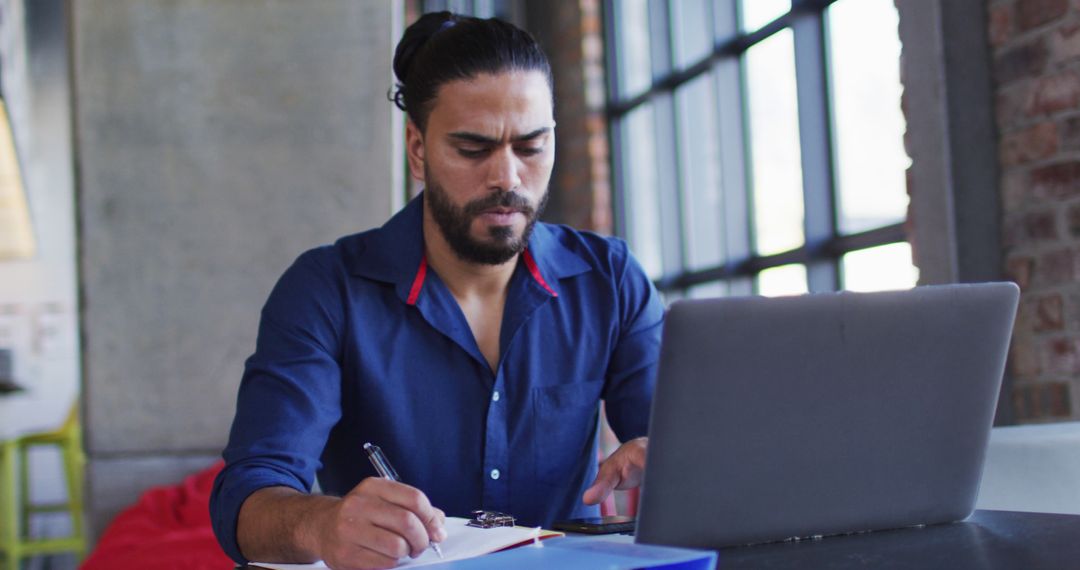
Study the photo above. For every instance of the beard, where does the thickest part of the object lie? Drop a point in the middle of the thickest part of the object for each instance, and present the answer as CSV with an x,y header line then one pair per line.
x,y
455,223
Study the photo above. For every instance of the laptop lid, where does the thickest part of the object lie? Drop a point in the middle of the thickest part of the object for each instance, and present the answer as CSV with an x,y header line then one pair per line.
x,y
822,414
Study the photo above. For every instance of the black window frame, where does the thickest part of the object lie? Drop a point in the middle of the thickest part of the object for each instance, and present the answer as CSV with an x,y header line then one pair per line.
x,y
825,245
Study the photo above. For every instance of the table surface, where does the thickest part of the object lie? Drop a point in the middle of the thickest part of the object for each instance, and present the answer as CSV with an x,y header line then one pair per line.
x,y
986,540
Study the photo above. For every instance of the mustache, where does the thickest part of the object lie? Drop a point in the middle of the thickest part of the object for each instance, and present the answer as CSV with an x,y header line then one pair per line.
x,y
500,199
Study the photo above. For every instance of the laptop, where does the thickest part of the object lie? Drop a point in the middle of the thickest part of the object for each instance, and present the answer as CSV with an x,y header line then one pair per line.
x,y
824,414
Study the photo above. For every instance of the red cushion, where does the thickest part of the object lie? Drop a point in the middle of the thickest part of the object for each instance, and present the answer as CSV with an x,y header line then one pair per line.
x,y
169,527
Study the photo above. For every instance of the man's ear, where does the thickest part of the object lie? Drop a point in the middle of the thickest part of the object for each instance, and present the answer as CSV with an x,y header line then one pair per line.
x,y
414,150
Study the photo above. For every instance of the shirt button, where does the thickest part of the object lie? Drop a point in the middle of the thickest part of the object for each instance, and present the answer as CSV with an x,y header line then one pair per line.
x,y
495,474
495,396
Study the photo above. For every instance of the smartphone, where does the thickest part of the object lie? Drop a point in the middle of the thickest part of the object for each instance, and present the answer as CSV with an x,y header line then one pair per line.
x,y
597,525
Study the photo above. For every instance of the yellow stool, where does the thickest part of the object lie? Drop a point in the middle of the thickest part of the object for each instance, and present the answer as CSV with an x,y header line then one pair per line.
x,y
15,506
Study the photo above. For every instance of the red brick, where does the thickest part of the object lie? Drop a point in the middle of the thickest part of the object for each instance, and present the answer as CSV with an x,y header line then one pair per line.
x,y
1018,269
1069,134
1056,181
1053,93
1057,399
1019,403
1014,188
579,55
1024,360
1024,60
1039,226
1062,356
1001,23
1072,217
1040,400
1010,104
1055,267
1065,44
1034,143
1072,310
1024,326
1049,313
1034,13
1012,231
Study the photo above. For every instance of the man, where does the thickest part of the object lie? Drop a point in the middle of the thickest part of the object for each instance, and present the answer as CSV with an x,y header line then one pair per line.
x,y
470,342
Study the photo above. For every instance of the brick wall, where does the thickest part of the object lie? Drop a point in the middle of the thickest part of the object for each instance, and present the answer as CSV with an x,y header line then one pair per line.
x,y
1036,64
570,32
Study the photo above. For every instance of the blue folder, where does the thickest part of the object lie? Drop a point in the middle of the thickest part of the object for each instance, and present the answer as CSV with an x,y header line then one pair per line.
x,y
573,553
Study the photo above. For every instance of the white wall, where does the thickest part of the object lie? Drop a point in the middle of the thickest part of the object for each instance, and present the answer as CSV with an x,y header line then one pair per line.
x,y
38,302
216,141
38,299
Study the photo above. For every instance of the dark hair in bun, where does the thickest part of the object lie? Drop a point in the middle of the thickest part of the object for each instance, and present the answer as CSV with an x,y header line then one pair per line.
x,y
441,47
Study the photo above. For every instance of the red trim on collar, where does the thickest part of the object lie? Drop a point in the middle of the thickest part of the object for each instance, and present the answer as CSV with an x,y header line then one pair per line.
x,y
418,281
530,263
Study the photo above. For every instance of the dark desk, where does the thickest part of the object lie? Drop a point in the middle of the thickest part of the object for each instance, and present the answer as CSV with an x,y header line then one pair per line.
x,y
989,539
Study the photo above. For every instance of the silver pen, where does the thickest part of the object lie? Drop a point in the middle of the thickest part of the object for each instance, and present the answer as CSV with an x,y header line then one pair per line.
x,y
386,471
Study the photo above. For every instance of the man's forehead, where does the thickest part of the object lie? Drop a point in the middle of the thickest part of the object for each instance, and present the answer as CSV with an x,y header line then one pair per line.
x,y
513,103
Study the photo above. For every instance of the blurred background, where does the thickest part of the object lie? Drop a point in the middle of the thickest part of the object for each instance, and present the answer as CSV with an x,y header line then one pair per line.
x,y
163,161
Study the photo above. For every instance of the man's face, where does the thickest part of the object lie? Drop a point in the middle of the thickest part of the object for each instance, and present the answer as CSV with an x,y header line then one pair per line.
x,y
485,160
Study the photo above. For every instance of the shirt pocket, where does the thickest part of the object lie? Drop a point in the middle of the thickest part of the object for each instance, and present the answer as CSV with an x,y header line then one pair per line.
x,y
565,418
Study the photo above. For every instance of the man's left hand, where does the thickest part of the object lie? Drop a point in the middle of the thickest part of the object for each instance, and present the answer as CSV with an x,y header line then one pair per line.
x,y
621,470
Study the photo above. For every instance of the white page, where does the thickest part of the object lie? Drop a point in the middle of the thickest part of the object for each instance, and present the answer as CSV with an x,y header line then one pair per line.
x,y
461,542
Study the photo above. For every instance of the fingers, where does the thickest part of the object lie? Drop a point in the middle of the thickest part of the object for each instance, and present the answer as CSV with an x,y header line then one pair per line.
x,y
404,525
354,545
413,500
395,543
399,509
436,526
606,481
622,470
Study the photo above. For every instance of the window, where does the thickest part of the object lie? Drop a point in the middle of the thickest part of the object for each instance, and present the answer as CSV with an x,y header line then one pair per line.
x,y
504,9
758,144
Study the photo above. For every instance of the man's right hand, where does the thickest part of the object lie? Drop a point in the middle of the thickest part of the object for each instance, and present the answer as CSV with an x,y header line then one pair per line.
x,y
377,523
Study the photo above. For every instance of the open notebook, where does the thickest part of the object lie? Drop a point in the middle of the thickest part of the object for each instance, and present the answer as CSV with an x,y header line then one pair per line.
x,y
461,542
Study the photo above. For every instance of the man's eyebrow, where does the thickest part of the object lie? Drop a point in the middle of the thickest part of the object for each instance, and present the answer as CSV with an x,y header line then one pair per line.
x,y
481,139
533,135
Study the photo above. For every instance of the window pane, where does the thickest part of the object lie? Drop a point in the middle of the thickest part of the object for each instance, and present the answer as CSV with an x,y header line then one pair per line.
x,y
707,290
699,165
757,13
880,268
774,144
782,280
642,200
865,69
692,33
632,45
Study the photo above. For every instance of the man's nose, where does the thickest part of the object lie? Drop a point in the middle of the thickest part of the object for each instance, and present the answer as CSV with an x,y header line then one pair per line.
x,y
504,170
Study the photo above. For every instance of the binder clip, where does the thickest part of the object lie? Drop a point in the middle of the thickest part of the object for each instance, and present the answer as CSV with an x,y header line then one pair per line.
x,y
490,519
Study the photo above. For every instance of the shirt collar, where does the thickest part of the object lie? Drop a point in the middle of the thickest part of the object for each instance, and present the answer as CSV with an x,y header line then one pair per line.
x,y
395,252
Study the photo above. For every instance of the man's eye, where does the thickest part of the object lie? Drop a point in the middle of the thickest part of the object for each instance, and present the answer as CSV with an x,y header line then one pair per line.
x,y
530,150
472,152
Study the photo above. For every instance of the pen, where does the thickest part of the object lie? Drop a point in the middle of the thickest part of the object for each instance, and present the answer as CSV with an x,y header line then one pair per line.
x,y
382,465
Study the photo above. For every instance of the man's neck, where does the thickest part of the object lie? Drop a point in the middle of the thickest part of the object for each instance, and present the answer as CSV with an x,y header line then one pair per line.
x,y
464,279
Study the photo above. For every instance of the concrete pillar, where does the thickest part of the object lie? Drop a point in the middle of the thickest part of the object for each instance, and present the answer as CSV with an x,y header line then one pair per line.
x,y
215,142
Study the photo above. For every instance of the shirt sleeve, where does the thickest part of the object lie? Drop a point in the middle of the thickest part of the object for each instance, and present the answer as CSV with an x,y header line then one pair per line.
x,y
631,374
289,396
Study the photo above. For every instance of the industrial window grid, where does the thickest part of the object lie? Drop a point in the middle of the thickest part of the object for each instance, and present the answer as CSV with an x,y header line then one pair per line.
x,y
824,245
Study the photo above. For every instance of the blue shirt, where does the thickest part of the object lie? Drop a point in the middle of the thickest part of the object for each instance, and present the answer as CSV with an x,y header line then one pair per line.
x,y
361,342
